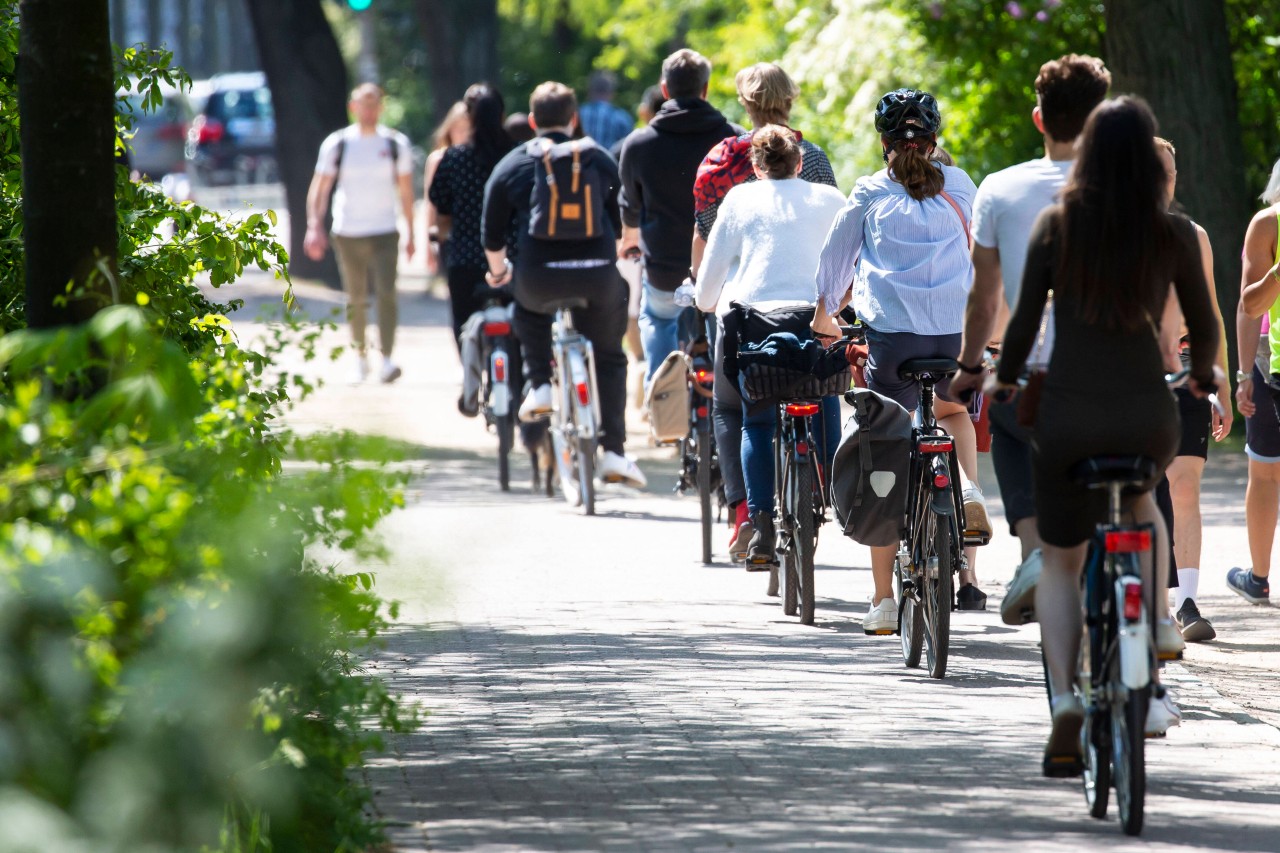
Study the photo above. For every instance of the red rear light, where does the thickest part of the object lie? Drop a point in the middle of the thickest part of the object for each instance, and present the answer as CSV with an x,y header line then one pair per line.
x,y
500,368
704,377
1132,599
497,329
1128,541
941,481
936,445
802,448
206,129
702,411
584,393
802,410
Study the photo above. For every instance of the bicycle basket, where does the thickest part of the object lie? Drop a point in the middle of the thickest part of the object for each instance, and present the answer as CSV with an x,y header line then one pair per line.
x,y
766,383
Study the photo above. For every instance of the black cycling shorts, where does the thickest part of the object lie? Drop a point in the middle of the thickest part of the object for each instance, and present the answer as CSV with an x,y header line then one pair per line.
x,y
1262,431
1197,422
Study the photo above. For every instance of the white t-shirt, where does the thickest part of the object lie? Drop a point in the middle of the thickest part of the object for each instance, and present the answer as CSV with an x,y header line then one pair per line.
x,y
1004,212
366,198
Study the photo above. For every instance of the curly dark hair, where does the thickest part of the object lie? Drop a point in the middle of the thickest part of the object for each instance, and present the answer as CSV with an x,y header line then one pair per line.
x,y
1068,89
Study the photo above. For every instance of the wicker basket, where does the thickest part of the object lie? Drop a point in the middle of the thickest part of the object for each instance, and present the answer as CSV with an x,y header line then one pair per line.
x,y
768,383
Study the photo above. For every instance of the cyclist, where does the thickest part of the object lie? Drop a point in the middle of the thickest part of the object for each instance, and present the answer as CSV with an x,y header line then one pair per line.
x,y
767,93
658,165
1108,252
1008,202
900,251
1179,494
457,193
1259,360
553,270
762,253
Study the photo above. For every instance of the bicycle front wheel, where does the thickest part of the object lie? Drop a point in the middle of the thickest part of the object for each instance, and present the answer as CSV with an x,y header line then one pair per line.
x,y
1128,759
803,538
704,490
937,596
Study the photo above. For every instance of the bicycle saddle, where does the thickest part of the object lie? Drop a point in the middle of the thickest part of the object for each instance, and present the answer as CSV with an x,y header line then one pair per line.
x,y
916,369
1101,470
563,304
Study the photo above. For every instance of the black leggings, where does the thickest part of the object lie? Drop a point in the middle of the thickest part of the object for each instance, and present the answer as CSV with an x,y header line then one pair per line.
x,y
466,294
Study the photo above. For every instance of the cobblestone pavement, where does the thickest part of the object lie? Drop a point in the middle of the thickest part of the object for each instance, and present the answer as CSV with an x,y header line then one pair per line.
x,y
590,685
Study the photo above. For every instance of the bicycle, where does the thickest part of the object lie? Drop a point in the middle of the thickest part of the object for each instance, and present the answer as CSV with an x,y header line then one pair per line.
x,y
575,408
699,459
931,552
498,401
801,488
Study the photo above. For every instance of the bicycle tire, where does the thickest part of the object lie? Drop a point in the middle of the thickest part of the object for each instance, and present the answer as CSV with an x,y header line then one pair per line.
x,y
506,429
1128,758
552,472
704,490
910,623
790,580
937,598
586,451
771,589
1095,747
803,539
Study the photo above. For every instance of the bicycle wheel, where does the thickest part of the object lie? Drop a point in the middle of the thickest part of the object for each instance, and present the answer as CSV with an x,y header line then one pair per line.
x,y
506,428
937,596
1128,757
704,489
1095,746
910,621
586,452
803,538
790,577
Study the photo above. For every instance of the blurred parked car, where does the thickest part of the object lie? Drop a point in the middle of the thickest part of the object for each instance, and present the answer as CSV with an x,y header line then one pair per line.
x,y
233,138
157,147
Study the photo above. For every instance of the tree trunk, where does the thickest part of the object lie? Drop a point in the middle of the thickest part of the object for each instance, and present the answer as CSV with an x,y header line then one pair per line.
x,y
308,83
462,47
1194,98
66,91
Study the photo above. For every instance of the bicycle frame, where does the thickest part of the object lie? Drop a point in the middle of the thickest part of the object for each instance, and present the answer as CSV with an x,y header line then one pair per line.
x,y
575,415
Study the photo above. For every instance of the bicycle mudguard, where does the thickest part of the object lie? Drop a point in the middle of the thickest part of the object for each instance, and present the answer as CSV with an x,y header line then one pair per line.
x,y
941,502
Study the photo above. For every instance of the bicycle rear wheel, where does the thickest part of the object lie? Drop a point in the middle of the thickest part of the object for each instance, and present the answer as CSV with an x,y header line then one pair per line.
x,y
803,538
506,429
937,596
1095,746
587,474
1128,759
704,489
910,622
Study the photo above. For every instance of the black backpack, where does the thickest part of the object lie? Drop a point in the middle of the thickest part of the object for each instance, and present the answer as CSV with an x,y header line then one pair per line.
x,y
393,148
567,202
870,470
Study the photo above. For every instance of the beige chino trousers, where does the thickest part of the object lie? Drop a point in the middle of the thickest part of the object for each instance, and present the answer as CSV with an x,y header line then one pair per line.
x,y
359,260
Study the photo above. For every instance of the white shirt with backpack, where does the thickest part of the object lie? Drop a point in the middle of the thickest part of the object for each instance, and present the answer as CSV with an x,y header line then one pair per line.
x,y
366,195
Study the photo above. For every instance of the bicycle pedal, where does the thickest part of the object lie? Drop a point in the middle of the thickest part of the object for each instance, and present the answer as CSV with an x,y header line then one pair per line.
x,y
1062,766
976,539
883,632
1168,657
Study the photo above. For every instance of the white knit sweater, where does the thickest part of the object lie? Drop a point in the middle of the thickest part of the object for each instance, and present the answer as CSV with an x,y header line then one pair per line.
x,y
764,248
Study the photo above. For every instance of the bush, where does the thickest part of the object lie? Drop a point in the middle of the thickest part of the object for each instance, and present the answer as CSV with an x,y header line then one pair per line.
x,y
175,672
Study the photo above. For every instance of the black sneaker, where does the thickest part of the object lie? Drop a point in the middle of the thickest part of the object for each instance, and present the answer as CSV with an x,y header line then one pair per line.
x,y
761,553
971,598
1195,628
1251,588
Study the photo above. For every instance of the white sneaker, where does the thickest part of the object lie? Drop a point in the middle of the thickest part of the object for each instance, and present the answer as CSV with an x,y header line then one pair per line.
x,y
882,618
537,404
975,510
361,372
1019,605
390,372
1162,715
621,469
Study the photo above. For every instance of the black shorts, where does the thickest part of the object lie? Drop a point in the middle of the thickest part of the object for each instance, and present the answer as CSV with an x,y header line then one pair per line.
x,y
1197,422
1262,431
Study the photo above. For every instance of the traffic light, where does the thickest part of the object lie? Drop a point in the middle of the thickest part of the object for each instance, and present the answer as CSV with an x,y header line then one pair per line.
x,y
359,5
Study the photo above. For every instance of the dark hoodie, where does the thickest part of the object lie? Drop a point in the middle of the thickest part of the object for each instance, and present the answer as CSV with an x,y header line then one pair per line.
x,y
658,167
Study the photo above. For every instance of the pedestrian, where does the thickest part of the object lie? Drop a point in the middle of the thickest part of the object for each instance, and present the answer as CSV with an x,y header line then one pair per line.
x,y
517,127
899,254
1004,211
600,119
553,267
1179,493
367,168
454,130
457,193
1108,252
1258,338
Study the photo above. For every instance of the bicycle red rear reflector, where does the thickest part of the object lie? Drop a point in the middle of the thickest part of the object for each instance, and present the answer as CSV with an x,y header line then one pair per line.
x,y
584,393
936,445
495,329
702,411
941,481
703,376
1133,600
500,369
802,448
802,410
1128,541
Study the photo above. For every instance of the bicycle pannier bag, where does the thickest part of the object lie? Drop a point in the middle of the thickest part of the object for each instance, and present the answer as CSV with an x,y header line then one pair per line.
x,y
568,192
870,470
667,399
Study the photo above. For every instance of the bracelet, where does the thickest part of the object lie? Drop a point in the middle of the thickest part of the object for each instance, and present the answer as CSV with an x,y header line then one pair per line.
x,y
1243,375
972,371
506,268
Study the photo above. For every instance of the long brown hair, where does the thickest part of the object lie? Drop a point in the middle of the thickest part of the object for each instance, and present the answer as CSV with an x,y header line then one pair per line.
x,y
912,168
1116,234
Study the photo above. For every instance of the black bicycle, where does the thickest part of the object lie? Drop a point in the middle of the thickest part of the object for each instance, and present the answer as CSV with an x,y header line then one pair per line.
x,y
932,549
699,459
801,491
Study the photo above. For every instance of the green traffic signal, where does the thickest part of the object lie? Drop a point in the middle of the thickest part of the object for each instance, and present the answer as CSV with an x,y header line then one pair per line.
x,y
359,5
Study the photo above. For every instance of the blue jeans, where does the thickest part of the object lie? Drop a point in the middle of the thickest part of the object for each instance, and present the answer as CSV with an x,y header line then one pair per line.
x,y
758,452
659,323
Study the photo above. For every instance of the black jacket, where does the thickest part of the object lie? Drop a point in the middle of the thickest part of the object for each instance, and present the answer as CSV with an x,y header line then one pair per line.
x,y
658,166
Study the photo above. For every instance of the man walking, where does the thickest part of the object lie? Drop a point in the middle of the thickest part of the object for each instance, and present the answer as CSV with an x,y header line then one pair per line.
x,y
367,168
601,120
658,167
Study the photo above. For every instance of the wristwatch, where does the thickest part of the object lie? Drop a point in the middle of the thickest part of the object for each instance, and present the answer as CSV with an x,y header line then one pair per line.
x,y
1242,375
972,371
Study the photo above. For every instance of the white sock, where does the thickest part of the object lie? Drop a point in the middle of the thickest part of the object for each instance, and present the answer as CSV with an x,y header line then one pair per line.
x,y
1188,586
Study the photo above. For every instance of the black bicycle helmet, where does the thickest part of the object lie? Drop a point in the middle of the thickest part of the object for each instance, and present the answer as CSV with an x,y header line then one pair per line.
x,y
905,113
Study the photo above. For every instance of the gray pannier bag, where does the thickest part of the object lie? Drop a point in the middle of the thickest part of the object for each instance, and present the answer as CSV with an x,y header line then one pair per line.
x,y
667,399
870,470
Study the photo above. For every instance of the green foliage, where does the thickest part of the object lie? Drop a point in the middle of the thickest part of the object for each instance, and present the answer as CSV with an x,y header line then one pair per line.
x,y
1255,45
175,672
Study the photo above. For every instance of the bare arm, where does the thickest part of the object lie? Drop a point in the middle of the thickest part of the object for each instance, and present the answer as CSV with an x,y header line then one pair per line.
x,y
698,249
983,309
1261,283
316,242
432,215
1221,423
1259,253
406,204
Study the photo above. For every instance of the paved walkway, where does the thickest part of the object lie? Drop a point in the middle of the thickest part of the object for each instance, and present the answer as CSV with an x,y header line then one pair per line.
x,y
591,686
